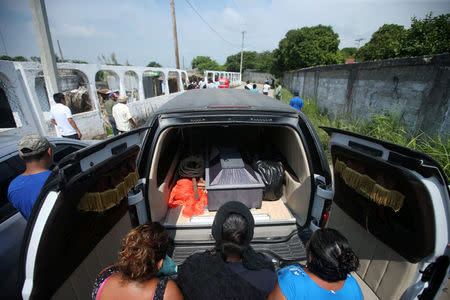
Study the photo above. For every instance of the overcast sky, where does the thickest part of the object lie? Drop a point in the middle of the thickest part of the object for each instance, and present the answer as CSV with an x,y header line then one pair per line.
x,y
141,30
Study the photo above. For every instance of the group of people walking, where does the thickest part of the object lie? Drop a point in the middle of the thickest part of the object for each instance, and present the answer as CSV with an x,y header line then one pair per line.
x,y
295,102
232,269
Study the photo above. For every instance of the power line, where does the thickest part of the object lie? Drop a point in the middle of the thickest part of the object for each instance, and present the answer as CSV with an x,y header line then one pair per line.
x,y
210,27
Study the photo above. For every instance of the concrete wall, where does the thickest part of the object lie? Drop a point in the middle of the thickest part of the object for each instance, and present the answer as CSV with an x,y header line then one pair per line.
x,y
255,76
234,77
27,97
417,88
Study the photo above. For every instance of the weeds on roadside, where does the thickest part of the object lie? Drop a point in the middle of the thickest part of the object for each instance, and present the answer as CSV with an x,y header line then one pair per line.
x,y
385,127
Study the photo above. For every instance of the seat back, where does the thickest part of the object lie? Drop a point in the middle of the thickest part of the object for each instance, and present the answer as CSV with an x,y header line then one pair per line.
x,y
384,273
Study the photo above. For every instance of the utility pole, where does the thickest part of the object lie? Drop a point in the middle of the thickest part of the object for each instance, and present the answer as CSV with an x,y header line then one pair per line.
x,y
60,52
359,41
45,46
242,54
3,41
175,37
183,63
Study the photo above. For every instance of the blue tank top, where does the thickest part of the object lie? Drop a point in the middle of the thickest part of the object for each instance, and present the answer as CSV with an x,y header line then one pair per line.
x,y
296,284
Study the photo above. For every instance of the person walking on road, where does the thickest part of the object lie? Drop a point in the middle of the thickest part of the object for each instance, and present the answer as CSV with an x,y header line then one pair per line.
x,y
297,102
255,88
277,93
23,191
247,85
122,116
61,116
266,88
109,106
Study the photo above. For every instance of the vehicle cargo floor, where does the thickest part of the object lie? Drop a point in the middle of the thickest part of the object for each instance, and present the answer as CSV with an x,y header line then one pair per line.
x,y
275,210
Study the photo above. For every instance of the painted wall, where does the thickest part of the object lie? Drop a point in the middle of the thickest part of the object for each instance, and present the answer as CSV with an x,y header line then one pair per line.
x,y
27,98
255,76
417,88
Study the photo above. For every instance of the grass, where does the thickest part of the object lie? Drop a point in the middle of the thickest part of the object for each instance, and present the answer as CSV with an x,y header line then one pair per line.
x,y
385,127
109,131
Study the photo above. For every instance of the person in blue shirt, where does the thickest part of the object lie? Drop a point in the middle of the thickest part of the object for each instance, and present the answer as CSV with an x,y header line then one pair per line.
x,y
330,260
23,190
297,102
255,88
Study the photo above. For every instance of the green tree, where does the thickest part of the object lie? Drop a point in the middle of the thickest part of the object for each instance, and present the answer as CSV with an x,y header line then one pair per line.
x,y
5,57
251,60
77,61
35,58
385,43
203,63
19,58
349,52
428,36
154,64
305,47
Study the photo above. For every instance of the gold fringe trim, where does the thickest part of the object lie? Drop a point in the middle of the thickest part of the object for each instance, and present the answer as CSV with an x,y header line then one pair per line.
x,y
366,186
100,202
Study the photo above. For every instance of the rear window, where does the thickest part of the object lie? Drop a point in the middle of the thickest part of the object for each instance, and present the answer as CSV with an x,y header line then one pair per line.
x,y
387,200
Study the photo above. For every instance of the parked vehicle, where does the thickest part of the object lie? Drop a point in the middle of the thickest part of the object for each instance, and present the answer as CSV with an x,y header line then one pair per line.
x,y
224,83
12,224
389,201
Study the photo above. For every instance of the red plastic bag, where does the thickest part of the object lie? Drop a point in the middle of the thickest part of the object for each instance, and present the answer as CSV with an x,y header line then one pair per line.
x,y
183,194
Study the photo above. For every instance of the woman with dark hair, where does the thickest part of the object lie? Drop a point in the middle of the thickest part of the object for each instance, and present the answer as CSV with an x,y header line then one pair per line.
x,y
232,270
133,277
327,273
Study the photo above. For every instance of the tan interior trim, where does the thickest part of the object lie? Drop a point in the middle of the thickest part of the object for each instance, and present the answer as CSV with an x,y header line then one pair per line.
x,y
159,195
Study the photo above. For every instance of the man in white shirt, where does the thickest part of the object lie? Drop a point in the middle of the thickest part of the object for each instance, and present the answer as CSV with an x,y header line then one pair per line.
x,y
211,85
122,116
266,88
201,83
61,116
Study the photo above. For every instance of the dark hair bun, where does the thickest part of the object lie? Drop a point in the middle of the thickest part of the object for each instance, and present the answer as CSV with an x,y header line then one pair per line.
x,y
330,255
348,261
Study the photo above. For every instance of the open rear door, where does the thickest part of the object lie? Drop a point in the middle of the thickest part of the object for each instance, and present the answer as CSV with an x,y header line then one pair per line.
x,y
394,204
83,206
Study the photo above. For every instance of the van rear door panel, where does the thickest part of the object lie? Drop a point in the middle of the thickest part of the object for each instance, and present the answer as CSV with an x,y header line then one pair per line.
x,y
78,207
397,200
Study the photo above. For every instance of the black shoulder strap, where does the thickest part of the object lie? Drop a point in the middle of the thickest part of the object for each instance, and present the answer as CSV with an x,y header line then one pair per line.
x,y
160,289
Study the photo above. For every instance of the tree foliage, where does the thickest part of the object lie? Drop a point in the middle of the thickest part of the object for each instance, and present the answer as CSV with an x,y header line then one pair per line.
x,y
349,52
305,47
153,64
203,63
251,60
385,43
428,36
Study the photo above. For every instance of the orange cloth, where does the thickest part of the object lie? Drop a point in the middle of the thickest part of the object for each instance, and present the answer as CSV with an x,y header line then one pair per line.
x,y
183,194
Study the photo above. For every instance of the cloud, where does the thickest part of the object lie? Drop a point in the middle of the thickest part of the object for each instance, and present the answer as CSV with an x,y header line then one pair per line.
x,y
141,31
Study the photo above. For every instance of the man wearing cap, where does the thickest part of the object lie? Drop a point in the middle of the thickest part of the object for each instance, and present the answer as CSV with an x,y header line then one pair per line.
x,y
297,102
23,191
109,106
61,116
122,116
